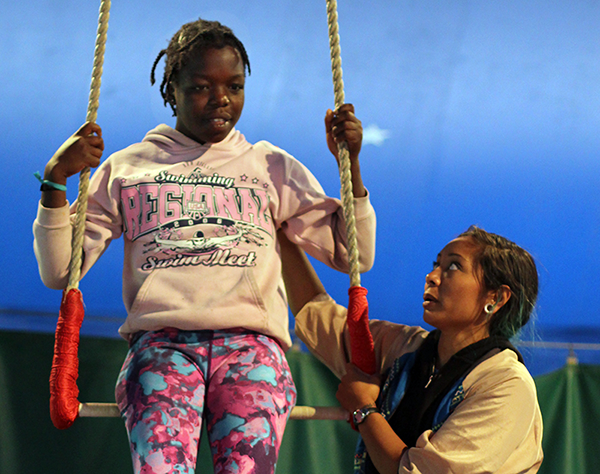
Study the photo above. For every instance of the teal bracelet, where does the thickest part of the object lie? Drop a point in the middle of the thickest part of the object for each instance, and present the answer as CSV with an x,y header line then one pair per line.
x,y
48,184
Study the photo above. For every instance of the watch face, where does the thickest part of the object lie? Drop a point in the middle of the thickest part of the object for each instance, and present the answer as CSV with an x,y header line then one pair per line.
x,y
359,415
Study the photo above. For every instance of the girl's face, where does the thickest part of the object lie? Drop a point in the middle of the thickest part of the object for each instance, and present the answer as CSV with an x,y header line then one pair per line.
x,y
209,94
454,297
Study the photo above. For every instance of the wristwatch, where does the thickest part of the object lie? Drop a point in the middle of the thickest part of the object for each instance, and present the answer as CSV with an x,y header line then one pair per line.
x,y
361,414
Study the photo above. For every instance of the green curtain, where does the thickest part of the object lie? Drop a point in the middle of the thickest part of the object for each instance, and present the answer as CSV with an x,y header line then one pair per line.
x,y
570,403
29,443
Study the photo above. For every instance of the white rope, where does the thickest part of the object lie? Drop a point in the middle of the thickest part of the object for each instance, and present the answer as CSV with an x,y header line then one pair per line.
x,y
84,176
344,155
110,410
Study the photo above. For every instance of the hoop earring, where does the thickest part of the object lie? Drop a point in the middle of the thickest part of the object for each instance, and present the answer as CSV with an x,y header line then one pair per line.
x,y
489,309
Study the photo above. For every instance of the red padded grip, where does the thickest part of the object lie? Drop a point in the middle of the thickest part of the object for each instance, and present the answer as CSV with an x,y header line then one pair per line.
x,y
64,406
361,340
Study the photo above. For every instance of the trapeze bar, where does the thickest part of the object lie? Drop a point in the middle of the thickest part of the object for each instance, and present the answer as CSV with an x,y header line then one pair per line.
x,y
110,410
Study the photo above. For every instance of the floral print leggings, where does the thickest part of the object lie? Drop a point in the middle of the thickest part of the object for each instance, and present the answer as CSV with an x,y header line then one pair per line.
x,y
239,381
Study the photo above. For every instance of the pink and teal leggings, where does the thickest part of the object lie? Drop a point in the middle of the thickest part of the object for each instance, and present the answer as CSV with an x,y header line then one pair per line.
x,y
237,380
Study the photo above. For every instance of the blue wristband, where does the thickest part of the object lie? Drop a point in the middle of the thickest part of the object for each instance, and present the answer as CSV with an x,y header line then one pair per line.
x,y
49,184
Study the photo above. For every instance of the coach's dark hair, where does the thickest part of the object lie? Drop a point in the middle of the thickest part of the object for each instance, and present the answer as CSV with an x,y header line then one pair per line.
x,y
503,262
191,38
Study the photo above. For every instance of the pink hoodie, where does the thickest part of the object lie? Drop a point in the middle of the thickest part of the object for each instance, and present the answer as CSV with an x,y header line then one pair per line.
x,y
199,225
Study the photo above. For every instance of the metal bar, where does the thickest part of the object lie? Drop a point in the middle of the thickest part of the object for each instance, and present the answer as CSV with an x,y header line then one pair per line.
x,y
579,346
110,410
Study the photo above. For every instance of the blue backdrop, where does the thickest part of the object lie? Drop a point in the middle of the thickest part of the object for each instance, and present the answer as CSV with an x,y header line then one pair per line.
x,y
475,112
